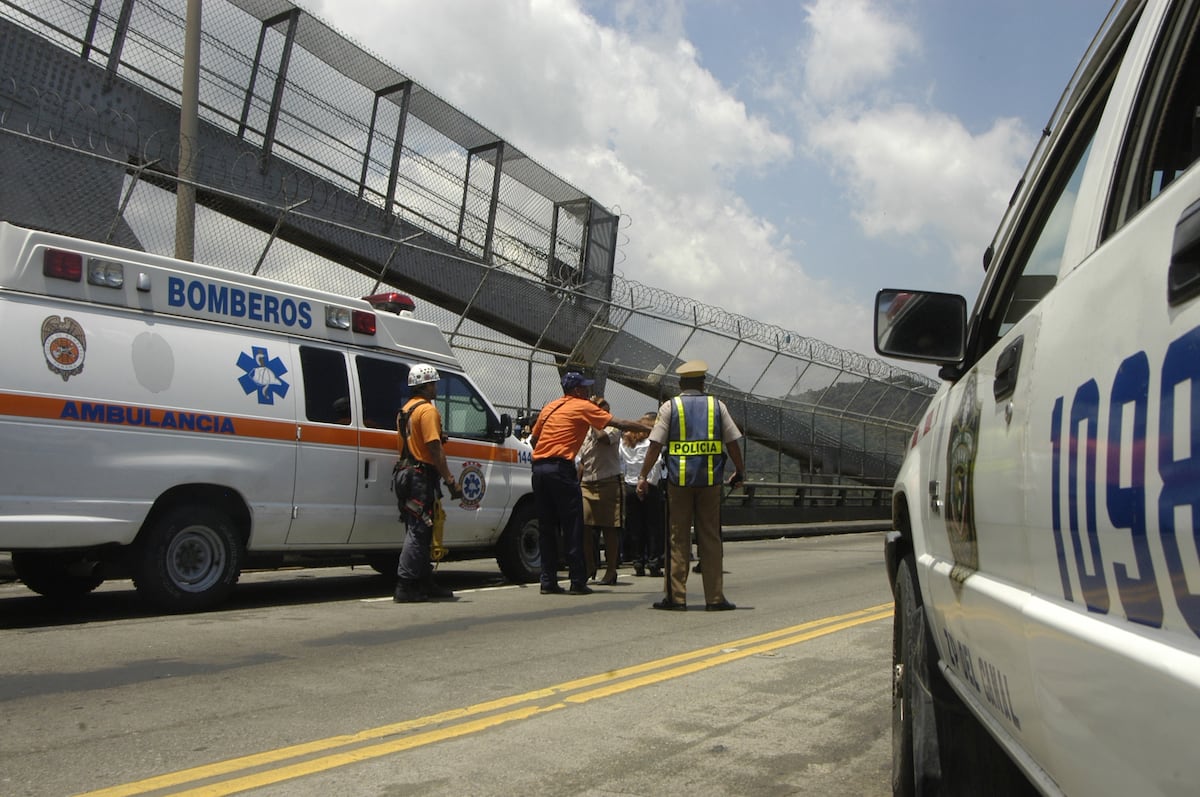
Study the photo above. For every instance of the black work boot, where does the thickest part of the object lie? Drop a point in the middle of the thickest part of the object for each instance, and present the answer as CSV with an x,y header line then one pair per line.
x,y
409,592
435,591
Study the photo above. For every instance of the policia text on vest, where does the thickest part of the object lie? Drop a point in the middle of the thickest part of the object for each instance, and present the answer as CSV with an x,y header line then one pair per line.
x,y
693,448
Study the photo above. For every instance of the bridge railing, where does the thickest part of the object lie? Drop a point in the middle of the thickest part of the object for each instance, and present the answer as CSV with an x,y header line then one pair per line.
x,y
761,502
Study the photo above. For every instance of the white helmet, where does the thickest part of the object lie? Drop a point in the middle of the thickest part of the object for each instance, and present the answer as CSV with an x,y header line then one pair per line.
x,y
421,374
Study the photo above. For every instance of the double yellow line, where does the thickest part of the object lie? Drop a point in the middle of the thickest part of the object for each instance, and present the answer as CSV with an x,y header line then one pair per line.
x,y
262,769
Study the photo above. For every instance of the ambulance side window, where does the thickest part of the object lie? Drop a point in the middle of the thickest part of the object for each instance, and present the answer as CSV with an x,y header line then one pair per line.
x,y
383,385
326,386
464,412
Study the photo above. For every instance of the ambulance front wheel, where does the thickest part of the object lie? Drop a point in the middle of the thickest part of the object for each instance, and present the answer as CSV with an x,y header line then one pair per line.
x,y
385,563
519,552
190,559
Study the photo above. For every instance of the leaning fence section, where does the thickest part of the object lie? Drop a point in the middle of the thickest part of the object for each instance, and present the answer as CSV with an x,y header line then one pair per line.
x,y
323,165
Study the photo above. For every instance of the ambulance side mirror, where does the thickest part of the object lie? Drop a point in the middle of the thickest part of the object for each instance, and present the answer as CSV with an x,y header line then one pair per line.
x,y
506,426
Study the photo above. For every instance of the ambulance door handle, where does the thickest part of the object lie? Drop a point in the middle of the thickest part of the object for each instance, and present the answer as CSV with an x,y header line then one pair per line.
x,y
1183,275
366,470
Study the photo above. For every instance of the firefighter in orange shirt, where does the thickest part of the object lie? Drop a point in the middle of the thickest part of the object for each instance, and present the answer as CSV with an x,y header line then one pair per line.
x,y
557,435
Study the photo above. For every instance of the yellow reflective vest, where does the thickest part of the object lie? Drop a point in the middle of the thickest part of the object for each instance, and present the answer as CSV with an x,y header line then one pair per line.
x,y
695,453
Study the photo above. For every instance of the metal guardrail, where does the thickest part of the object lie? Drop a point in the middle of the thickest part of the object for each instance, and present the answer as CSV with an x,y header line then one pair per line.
x,y
805,502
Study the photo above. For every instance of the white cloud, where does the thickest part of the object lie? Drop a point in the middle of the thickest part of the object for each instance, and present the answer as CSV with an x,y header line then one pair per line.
x,y
630,118
853,44
912,173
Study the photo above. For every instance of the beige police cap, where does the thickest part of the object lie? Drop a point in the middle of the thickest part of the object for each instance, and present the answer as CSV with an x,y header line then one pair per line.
x,y
692,368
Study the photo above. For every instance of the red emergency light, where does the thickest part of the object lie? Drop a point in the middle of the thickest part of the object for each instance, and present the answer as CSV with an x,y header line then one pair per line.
x,y
391,302
62,265
362,322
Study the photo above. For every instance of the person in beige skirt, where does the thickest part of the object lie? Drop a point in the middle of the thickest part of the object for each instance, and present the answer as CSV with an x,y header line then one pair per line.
x,y
602,487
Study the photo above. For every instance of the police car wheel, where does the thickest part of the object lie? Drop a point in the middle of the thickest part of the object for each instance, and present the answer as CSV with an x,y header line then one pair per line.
x,y
57,575
190,559
912,707
519,552
938,746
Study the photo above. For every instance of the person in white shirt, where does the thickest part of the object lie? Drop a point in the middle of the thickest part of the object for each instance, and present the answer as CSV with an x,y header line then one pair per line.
x,y
643,515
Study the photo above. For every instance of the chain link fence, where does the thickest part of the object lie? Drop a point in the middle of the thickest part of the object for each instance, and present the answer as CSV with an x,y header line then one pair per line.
x,y
323,166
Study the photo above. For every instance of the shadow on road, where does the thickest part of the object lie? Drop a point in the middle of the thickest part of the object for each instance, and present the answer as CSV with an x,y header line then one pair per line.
x,y
117,600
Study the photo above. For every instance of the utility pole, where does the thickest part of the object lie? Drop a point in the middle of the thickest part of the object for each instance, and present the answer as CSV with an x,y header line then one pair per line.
x,y
189,132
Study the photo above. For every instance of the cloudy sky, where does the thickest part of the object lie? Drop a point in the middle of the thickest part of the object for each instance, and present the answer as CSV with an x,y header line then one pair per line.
x,y
781,159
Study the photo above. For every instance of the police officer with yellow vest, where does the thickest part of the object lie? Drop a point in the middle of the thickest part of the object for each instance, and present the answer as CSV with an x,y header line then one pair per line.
x,y
698,435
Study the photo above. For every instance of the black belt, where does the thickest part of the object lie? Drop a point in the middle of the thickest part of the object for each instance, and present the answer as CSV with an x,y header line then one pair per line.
x,y
548,460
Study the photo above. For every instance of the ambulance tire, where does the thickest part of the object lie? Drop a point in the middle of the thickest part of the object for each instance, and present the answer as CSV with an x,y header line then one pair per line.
x,y
385,563
60,576
519,552
938,746
189,559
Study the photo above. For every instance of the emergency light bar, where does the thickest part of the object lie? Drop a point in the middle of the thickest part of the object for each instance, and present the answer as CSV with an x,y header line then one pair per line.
x,y
344,318
363,322
62,265
108,273
397,303
70,266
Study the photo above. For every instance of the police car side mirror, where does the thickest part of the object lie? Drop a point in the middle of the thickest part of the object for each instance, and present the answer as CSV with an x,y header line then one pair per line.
x,y
924,326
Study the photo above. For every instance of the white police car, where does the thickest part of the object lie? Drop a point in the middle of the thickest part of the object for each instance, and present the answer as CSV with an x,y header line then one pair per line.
x,y
1047,518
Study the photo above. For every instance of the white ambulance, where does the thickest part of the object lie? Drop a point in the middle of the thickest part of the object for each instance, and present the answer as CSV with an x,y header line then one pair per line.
x,y
1047,517
177,423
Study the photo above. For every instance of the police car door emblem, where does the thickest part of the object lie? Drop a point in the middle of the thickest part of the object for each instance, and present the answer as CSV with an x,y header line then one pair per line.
x,y
960,477
263,375
64,345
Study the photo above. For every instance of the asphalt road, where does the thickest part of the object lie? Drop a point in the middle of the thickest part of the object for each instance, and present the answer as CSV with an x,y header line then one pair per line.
x,y
315,683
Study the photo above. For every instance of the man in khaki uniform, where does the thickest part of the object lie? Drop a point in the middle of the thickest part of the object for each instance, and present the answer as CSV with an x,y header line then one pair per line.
x,y
698,435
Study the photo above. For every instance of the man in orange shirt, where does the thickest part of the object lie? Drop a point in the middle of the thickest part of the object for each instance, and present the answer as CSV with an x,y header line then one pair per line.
x,y
424,439
557,435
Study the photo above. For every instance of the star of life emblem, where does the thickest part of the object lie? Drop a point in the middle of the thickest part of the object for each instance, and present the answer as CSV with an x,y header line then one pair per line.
x,y
473,485
263,375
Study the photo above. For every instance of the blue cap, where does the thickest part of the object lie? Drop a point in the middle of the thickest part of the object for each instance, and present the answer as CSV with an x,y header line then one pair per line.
x,y
574,379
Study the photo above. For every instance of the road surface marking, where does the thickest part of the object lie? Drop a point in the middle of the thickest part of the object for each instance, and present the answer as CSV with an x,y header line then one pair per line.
x,y
374,742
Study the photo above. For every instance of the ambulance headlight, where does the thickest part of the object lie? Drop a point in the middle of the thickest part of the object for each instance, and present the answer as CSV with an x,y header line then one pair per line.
x,y
106,273
337,317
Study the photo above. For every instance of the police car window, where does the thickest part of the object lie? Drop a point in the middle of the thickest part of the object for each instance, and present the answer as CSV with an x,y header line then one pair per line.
x,y
1164,136
464,412
326,386
383,385
1041,268
1038,249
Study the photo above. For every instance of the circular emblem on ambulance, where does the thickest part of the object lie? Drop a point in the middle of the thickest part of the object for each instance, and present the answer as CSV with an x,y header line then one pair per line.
x,y
64,345
473,485
960,473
